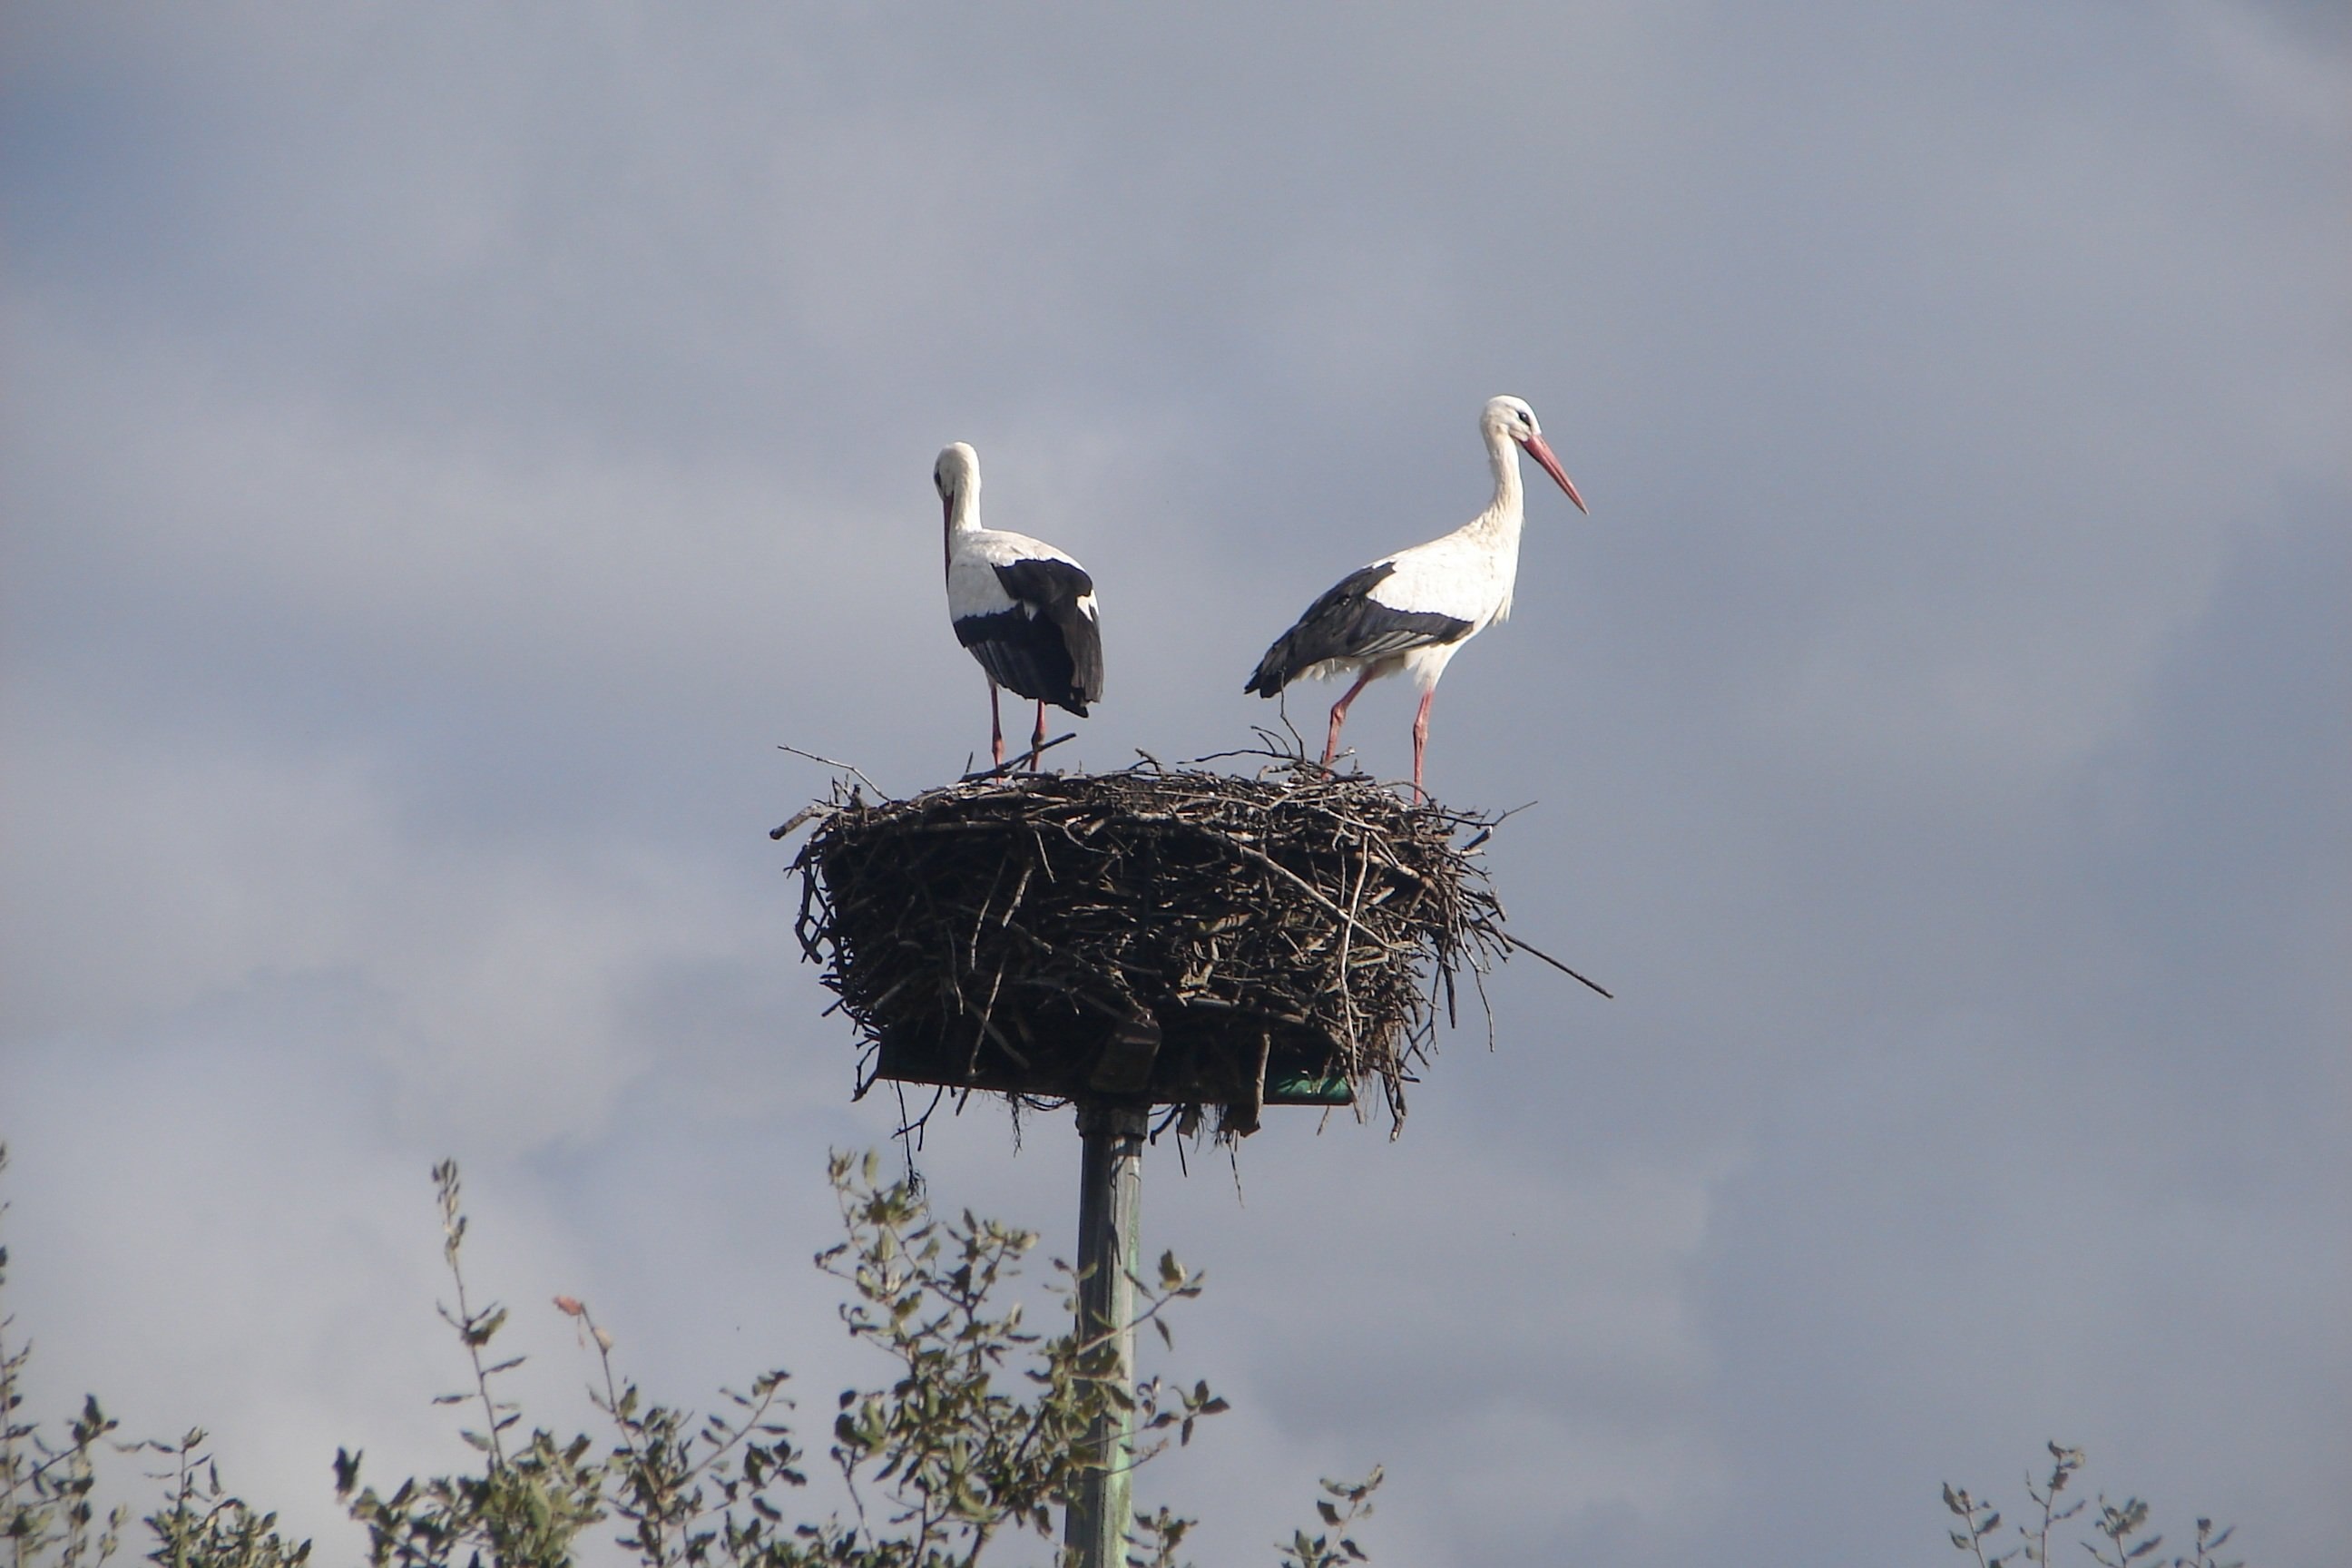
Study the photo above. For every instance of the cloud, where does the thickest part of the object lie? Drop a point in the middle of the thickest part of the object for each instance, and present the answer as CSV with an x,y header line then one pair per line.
x,y
452,451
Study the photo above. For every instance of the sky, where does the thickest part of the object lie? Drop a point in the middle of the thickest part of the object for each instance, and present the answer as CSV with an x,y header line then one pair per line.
x,y
448,450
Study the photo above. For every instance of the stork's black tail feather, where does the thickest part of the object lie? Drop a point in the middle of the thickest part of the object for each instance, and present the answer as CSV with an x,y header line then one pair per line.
x,y
1275,670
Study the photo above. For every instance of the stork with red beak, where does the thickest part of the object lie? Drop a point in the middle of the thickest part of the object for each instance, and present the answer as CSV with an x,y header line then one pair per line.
x,y
1414,610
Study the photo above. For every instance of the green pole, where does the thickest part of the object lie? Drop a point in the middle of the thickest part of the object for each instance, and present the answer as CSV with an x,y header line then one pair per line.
x,y
1110,1255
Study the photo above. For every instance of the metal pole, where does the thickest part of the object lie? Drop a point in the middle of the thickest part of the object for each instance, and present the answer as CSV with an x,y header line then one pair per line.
x,y
1109,1211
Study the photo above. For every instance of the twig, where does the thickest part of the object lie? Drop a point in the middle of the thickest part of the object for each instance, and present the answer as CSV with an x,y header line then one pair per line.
x,y
846,767
1527,947
803,814
1026,759
1346,941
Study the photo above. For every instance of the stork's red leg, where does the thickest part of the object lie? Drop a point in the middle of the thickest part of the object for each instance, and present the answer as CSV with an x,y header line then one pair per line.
x,y
1037,737
1421,740
1339,717
995,730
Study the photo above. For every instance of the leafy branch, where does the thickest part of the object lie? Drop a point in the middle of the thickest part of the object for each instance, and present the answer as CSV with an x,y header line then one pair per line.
x,y
524,1510
47,1511
2118,1526
200,1526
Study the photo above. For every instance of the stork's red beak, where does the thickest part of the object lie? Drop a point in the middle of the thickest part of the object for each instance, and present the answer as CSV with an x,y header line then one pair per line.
x,y
1541,453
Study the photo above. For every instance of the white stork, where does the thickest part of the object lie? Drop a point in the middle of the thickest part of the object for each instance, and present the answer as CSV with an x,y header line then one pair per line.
x,y
1025,610
1414,610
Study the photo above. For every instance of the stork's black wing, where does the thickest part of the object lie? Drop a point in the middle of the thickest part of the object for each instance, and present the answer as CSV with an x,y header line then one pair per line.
x,y
1048,646
1348,623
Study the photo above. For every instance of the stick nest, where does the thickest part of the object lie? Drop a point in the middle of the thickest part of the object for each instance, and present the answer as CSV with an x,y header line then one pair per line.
x,y
1172,937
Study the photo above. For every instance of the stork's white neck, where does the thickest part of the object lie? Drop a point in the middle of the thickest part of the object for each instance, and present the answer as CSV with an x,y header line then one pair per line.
x,y
1509,505
963,505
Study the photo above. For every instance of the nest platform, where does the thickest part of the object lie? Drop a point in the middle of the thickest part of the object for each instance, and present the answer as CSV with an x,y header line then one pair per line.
x,y
1162,937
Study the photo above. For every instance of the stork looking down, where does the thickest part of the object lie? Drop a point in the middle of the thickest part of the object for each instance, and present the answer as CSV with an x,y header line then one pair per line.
x,y
1414,610
1025,610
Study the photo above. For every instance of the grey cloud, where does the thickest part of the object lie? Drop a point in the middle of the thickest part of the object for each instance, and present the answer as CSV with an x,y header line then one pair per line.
x,y
460,447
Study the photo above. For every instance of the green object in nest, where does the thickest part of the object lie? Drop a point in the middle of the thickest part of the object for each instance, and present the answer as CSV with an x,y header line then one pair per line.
x,y
1299,1089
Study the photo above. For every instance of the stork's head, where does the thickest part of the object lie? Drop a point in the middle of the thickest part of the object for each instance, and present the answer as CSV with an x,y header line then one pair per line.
x,y
957,477
1511,417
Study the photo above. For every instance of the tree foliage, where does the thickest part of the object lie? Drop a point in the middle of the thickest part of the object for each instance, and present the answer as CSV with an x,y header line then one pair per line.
x,y
2116,1538
977,1438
